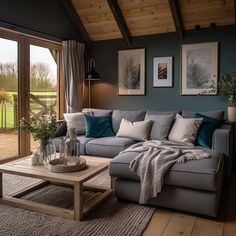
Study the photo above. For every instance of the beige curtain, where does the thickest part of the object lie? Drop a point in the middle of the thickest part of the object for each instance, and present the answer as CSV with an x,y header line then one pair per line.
x,y
73,66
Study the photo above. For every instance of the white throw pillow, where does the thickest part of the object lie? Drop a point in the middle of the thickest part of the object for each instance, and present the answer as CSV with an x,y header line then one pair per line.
x,y
185,130
135,130
76,121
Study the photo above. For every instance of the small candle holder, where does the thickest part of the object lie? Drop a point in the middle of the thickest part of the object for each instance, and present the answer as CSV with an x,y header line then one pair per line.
x,y
34,158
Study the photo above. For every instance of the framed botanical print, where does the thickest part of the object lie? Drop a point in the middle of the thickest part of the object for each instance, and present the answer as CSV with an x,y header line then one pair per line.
x,y
199,68
162,72
131,72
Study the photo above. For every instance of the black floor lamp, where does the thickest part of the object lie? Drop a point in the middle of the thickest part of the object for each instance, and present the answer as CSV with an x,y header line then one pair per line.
x,y
91,75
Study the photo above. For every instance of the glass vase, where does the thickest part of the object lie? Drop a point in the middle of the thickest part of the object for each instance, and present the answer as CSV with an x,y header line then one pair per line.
x,y
46,151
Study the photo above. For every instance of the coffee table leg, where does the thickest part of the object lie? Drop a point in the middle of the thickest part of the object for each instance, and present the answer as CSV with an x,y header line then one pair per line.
x,y
78,201
1,180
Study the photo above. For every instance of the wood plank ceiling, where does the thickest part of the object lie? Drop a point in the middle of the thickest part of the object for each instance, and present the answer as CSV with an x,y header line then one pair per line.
x,y
146,17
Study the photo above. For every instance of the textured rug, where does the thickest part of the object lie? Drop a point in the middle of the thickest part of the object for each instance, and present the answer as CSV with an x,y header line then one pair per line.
x,y
113,218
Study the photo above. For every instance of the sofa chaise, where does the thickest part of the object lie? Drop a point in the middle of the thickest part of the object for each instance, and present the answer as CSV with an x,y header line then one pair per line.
x,y
194,186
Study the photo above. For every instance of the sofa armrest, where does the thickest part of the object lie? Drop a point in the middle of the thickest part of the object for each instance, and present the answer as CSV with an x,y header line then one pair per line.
x,y
222,141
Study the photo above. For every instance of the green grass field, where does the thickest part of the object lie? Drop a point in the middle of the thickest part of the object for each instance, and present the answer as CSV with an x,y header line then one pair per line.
x,y
9,117
35,107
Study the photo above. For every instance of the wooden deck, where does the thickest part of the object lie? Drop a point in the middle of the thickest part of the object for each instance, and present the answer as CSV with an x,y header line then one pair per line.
x,y
9,145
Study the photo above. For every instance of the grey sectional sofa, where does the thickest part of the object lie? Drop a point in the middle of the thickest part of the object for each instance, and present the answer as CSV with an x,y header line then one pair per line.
x,y
194,186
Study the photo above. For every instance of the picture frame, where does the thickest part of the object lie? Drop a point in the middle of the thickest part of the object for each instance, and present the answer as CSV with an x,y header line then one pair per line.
x,y
131,72
199,68
163,72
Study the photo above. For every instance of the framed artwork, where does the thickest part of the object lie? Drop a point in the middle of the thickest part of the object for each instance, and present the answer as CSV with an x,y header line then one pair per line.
x,y
162,72
199,70
131,72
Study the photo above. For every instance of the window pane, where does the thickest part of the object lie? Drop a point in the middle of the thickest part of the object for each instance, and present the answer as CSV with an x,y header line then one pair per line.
x,y
8,98
43,82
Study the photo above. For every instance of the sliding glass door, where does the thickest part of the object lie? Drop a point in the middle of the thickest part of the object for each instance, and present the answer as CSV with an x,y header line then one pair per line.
x,y
9,146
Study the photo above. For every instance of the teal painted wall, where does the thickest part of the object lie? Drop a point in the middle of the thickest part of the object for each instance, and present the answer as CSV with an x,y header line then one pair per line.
x,y
104,92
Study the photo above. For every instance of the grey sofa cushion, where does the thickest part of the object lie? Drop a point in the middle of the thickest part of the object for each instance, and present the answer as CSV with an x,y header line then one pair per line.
x,y
155,112
98,112
132,116
197,174
185,199
108,146
161,126
83,141
214,114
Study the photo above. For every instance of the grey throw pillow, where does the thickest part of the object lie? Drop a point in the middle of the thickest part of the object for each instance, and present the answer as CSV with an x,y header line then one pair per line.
x,y
161,126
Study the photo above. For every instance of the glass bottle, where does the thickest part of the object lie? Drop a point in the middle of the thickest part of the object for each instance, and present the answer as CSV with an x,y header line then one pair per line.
x,y
72,149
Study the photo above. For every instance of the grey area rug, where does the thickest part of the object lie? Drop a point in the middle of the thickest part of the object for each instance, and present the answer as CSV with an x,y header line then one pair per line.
x,y
113,218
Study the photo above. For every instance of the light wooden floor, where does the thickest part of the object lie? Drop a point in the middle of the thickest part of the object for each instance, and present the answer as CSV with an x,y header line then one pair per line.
x,y
172,223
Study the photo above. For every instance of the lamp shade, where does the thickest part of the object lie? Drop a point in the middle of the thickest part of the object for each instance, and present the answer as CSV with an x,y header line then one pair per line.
x,y
92,74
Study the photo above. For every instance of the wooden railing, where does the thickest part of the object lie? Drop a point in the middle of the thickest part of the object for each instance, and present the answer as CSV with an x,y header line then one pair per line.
x,y
39,104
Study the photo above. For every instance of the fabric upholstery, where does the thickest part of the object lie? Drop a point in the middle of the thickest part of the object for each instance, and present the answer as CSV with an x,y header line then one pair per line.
x,y
83,141
161,126
223,141
198,174
108,146
185,130
156,112
62,130
185,199
118,115
206,130
76,121
98,112
138,131
213,114
98,126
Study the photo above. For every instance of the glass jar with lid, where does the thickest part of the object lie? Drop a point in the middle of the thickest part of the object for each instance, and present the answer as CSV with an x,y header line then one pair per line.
x,y
72,148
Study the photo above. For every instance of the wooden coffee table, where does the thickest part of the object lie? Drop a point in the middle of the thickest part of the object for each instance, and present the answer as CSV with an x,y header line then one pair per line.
x,y
82,207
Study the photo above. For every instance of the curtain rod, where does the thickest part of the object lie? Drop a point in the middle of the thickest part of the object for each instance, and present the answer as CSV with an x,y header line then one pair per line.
x,y
29,32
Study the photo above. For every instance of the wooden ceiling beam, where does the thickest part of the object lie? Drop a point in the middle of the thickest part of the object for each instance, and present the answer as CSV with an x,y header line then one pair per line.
x,y
176,18
116,11
70,9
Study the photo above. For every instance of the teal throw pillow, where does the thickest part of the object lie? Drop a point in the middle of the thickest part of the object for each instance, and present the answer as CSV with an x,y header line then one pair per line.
x,y
98,126
206,130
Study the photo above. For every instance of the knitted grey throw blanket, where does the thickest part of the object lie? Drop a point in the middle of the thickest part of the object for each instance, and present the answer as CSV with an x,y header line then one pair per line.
x,y
154,160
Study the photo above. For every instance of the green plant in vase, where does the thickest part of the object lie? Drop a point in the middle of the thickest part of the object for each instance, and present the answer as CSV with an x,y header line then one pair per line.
x,y
42,128
227,87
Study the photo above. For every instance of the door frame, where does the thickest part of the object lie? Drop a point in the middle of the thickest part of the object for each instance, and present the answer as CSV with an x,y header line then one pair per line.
x,y
24,42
